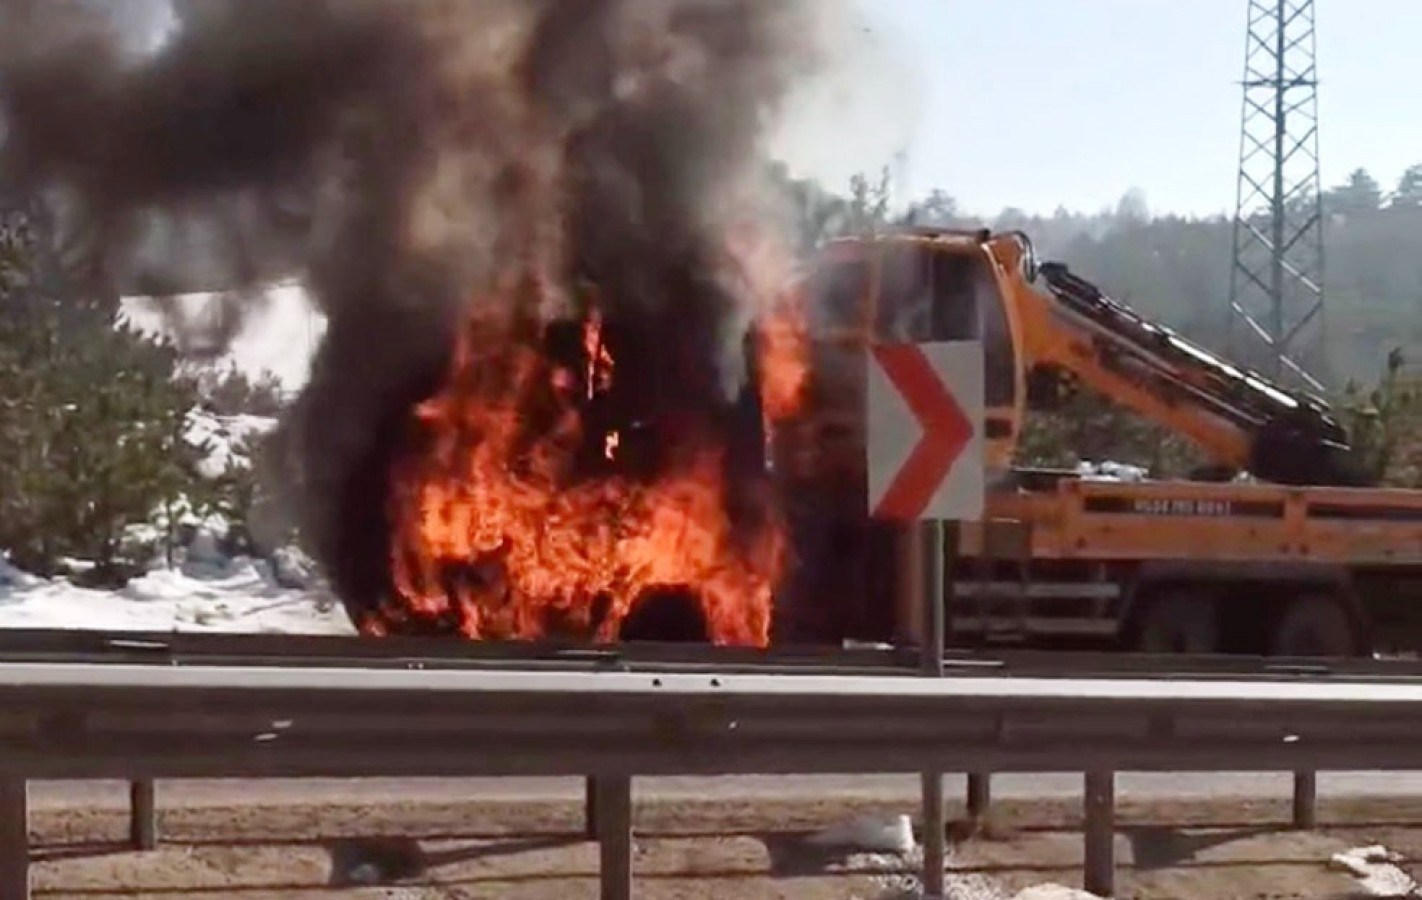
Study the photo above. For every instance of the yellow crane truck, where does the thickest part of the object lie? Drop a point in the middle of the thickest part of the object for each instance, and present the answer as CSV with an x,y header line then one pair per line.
x,y
1301,558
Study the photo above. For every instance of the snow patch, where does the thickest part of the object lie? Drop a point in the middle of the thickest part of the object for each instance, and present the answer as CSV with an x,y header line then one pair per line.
x,y
1108,470
236,595
1377,871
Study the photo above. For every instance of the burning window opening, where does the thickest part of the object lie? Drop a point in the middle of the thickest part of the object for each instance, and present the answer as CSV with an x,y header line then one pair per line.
x,y
510,516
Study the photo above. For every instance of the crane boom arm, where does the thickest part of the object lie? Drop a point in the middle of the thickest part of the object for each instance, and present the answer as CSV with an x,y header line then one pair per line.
x,y
1241,419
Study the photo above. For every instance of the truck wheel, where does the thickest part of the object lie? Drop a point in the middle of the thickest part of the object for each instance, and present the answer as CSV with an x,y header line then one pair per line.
x,y
1178,622
1316,625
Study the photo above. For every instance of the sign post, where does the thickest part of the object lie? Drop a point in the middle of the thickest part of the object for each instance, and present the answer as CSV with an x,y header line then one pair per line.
x,y
925,469
935,825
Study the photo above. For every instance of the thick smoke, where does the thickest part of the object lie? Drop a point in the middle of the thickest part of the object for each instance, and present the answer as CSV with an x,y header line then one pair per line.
x,y
414,158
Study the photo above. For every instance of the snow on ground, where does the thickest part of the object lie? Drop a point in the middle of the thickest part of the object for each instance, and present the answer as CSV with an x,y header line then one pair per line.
x,y
241,596
244,598
1377,871
207,593
204,590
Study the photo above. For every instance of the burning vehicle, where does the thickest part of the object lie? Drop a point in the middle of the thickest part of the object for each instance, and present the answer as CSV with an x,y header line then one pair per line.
x,y
568,388
559,334
587,479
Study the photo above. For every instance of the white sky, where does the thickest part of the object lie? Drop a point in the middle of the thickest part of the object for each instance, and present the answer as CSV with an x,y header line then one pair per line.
x,y
1040,103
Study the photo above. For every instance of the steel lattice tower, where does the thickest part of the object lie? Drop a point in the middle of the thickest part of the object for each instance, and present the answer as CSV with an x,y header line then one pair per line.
x,y
1276,281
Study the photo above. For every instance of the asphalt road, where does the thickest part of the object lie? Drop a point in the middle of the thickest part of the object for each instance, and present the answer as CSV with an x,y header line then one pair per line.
x,y
234,792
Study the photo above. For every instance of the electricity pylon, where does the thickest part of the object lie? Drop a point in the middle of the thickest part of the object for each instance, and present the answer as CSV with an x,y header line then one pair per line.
x,y
1276,281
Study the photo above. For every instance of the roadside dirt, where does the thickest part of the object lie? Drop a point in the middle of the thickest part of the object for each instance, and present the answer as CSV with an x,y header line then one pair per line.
x,y
695,850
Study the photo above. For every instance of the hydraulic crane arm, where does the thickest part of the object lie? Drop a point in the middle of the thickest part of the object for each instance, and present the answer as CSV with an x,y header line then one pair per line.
x,y
1075,332
1044,331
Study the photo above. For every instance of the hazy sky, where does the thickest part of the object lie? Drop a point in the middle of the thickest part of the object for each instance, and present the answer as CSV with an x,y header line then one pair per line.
x,y
1040,103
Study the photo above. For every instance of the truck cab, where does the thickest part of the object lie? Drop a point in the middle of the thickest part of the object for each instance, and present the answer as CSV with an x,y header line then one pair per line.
x,y
915,286
908,286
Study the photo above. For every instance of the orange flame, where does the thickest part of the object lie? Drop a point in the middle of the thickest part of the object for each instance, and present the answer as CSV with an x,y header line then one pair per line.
x,y
783,353
599,374
782,346
496,535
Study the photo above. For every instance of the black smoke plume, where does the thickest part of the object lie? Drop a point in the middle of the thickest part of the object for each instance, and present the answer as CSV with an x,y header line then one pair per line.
x,y
412,158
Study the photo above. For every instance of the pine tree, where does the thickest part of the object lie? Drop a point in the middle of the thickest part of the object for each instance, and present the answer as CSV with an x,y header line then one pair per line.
x,y
92,420
231,392
1409,190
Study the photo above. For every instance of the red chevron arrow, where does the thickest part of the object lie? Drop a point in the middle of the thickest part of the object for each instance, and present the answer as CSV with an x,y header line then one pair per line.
x,y
946,431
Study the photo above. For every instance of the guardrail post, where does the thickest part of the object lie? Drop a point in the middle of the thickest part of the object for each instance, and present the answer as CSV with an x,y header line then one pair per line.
x,y
979,795
936,538
935,834
143,815
590,828
1100,833
14,839
614,817
1305,800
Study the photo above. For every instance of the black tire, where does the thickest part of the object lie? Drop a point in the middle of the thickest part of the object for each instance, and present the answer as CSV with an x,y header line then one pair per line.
x,y
1178,622
1316,625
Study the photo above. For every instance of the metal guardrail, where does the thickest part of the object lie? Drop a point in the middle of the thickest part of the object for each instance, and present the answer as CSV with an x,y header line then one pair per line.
x,y
312,651
82,705
154,721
